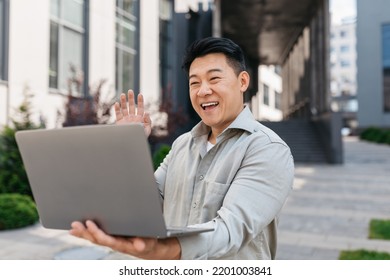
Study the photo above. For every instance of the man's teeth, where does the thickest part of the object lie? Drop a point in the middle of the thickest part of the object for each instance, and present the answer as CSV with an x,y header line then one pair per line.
x,y
204,105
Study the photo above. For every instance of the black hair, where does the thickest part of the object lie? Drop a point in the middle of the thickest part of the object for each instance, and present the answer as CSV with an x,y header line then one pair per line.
x,y
234,54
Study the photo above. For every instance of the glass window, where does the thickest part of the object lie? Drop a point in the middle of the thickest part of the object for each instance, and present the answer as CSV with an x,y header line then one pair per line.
x,y
386,66
4,4
344,48
386,45
72,54
126,45
278,70
166,45
278,100
2,41
67,44
266,94
53,64
345,63
74,12
55,8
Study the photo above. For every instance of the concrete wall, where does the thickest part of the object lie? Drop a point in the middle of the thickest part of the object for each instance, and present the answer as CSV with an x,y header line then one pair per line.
x,y
149,54
3,104
102,43
370,17
29,54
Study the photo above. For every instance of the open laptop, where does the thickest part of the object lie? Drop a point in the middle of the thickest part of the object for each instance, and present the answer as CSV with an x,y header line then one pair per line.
x,y
99,172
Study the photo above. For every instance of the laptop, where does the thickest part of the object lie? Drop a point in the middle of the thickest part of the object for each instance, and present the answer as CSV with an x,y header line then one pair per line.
x,y
102,173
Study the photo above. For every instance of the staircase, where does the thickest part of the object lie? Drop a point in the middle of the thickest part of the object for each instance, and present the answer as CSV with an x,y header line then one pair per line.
x,y
302,137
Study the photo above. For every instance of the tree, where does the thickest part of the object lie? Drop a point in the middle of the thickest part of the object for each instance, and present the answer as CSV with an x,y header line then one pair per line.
x,y
87,110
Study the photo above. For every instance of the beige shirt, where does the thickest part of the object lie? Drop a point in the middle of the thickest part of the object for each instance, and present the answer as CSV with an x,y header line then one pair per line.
x,y
239,187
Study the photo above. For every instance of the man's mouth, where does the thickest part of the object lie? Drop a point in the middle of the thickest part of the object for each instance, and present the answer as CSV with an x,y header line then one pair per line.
x,y
209,105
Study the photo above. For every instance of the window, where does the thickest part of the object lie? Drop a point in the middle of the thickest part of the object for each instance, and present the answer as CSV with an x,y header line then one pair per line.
x,y
4,4
68,44
386,66
126,53
344,48
343,33
278,100
345,63
278,70
266,95
166,45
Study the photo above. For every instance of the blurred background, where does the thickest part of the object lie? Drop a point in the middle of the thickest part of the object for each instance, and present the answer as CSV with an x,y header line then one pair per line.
x,y
319,67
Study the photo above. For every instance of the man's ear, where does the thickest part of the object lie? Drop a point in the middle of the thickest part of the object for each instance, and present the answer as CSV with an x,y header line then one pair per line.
x,y
244,80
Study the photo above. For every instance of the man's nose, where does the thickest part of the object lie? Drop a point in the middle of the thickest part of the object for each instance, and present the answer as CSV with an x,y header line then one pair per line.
x,y
204,90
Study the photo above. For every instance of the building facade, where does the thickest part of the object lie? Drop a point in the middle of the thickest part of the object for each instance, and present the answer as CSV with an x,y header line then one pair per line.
x,y
373,62
266,104
45,43
343,70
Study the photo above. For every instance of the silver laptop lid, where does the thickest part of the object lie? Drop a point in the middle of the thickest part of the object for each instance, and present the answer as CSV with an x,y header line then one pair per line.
x,y
98,172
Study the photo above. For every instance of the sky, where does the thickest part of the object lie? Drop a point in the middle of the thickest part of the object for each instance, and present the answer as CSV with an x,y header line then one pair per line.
x,y
342,9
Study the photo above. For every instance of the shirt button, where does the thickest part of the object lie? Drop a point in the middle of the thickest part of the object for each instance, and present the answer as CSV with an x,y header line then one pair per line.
x,y
201,177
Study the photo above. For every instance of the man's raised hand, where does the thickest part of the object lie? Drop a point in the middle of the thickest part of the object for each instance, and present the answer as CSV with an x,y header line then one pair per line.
x,y
126,111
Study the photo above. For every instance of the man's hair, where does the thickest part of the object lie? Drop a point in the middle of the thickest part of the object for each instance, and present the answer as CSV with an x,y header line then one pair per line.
x,y
234,54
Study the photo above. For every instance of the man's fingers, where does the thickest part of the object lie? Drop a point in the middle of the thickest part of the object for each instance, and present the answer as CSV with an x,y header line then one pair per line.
x,y
139,244
118,113
100,236
79,230
140,105
123,106
130,97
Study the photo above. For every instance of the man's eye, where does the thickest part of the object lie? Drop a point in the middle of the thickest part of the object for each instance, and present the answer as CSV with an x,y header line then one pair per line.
x,y
215,79
194,84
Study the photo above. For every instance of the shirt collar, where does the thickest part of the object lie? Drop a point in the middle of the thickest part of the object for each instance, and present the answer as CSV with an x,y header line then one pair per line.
x,y
244,121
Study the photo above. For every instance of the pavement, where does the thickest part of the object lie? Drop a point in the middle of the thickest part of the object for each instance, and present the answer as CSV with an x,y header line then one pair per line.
x,y
328,211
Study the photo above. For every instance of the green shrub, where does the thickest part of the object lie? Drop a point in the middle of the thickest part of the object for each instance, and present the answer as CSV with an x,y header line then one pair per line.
x,y
379,229
386,137
375,134
16,211
160,154
368,133
13,177
363,255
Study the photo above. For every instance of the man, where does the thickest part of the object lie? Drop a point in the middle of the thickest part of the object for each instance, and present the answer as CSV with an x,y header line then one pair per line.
x,y
229,171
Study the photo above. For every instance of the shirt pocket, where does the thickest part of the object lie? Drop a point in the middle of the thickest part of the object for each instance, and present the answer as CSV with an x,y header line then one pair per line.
x,y
212,200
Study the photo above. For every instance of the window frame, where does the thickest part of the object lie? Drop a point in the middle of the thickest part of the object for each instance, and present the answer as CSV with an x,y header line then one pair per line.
x,y
4,40
166,44
120,16
63,25
266,95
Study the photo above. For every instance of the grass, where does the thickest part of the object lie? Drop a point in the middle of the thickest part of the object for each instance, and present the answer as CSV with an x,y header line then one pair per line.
x,y
363,255
379,229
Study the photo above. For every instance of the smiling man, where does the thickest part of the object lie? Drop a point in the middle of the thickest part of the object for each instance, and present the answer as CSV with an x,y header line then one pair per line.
x,y
229,172
216,91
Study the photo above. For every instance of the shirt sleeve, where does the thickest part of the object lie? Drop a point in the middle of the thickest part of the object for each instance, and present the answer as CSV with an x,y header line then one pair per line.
x,y
161,173
255,198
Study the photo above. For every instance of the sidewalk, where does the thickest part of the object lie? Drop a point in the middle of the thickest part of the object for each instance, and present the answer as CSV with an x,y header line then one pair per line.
x,y
331,206
328,211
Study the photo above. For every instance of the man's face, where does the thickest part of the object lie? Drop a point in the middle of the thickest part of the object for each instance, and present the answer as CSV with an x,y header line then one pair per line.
x,y
216,92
